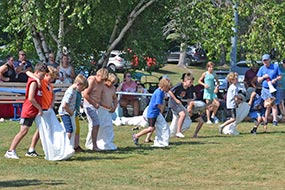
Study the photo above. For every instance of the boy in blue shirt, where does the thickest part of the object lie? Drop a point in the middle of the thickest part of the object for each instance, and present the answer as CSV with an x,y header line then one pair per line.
x,y
155,108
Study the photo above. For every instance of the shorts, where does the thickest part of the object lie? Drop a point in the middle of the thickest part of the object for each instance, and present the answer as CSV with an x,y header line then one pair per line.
x,y
233,112
66,120
91,113
177,108
151,121
27,121
195,116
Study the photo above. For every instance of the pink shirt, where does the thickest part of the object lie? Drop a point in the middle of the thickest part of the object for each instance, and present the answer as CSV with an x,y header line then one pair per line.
x,y
129,87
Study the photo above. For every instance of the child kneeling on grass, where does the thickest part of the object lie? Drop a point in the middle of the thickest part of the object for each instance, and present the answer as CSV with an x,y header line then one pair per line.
x,y
154,109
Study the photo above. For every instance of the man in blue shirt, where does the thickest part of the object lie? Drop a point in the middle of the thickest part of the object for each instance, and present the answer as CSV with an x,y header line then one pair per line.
x,y
22,66
269,73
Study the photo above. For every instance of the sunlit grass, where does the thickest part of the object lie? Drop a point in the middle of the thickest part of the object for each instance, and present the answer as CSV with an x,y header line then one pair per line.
x,y
212,161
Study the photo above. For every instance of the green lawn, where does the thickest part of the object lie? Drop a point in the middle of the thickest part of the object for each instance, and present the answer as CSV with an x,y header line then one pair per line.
x,y
210,162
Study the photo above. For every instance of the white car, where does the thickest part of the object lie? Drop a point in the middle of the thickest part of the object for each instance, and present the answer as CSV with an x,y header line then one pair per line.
x,y
117,61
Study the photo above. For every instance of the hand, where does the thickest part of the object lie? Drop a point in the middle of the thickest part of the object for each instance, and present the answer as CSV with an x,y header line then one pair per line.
x,y
265,76
206,86
216,90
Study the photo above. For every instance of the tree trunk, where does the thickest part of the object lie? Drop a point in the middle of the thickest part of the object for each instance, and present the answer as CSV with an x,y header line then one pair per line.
x,y
141,6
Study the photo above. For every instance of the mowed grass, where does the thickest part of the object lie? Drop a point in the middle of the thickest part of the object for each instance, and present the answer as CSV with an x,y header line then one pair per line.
x,y
212,161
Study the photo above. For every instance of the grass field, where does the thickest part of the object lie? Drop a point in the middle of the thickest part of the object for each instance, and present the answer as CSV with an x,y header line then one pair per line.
x,y
213,161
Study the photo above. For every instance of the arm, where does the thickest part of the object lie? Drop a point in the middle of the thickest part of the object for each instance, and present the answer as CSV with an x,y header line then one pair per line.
x,y
161,107
201,79
31,97
30,74
174,97
68,110
115,103
87,93
72,73
3,69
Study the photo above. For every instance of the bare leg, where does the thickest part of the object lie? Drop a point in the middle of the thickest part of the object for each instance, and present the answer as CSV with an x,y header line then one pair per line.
x,y
17,139
180,121
35,140
199,126
148,136
95,130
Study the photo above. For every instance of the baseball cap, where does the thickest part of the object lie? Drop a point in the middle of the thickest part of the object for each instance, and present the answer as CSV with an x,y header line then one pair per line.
x,y
265,57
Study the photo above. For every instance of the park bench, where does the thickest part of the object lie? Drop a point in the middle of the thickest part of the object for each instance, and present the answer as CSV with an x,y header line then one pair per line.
x,y
16,97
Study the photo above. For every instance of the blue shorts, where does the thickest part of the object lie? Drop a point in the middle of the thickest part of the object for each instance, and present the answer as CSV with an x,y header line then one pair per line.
x,y
67,123
91,113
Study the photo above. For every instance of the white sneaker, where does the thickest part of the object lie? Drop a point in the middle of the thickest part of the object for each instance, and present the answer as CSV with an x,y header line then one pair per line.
x,y
209,122
179,135
11,154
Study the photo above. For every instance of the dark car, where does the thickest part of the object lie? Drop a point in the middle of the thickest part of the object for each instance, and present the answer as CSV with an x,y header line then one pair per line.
x,y
194,55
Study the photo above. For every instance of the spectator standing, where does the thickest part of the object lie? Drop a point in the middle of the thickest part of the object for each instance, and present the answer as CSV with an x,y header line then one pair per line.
x,y
250,74
7,71
208,80
66,71
269,73
21,67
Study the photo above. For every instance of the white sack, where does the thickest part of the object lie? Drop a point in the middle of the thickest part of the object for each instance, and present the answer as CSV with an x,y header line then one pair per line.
x,y
241,112
185,126
162,131
105,137
56,144
136,121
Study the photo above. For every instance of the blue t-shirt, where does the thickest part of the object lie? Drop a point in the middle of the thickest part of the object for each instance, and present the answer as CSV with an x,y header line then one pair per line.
x,y
273,71
27,65
156,99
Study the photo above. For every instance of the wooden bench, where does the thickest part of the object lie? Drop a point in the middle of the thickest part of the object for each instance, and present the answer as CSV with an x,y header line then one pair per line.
x,y
17,99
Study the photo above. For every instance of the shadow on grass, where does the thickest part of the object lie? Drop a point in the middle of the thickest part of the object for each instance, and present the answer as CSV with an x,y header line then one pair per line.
x,y
32,182
264,133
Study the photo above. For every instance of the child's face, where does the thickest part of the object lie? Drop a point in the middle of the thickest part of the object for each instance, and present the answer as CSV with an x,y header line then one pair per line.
x,y
49,78
109,83
189,83
41,75
234,80
99,78
211,69
80,87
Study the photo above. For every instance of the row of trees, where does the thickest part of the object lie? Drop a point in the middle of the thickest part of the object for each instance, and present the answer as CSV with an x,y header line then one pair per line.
x,y
147,27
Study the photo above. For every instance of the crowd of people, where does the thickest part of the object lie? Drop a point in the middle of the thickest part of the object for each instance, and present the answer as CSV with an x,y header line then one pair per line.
x,y
100,102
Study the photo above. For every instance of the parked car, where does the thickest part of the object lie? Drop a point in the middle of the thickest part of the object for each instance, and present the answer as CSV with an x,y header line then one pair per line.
x,y
222,78
117,61
194,55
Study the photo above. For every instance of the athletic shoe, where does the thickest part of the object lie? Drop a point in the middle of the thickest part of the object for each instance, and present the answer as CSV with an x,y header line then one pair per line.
x,y
275,123
135,140
216,120
179,135
253,131
209,122
221,129
32,154
11,154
